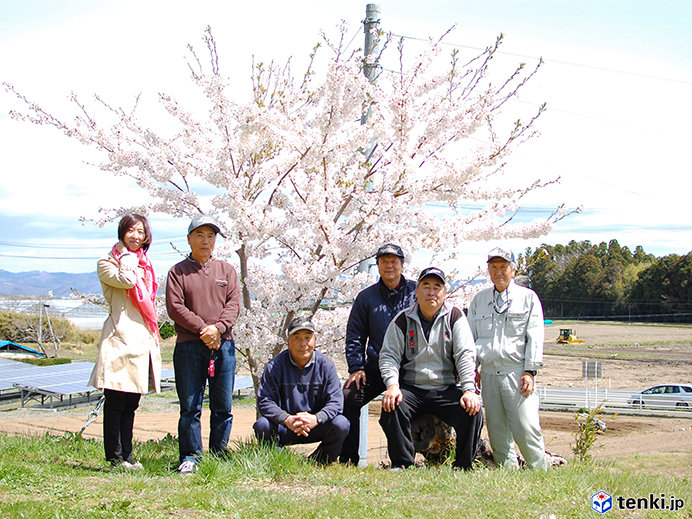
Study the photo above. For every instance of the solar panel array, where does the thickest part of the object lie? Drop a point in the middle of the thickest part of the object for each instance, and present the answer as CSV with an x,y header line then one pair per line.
x,y
62,379
66,379
9,369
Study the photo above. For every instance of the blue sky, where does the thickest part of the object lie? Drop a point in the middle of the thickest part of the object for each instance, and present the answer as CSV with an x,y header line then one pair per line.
x,y
617,81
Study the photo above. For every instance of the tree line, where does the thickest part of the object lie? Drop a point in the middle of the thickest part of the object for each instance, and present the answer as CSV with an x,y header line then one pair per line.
x,y
608,281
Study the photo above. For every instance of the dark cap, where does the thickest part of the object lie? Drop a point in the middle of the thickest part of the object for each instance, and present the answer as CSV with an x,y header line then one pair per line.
x,y
300,323
500,252
432,271
200,221
390,248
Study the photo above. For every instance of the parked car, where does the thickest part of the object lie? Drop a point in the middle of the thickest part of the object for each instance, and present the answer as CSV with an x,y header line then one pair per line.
x,y
664,396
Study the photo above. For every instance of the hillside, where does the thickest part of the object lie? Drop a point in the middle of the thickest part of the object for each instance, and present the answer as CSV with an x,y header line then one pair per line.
x,y
40,283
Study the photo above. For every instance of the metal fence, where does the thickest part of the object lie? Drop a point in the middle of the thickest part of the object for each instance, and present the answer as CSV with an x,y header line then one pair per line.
x,y
612,400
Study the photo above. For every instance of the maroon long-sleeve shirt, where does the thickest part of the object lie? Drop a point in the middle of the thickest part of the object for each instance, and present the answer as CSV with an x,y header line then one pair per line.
x,y
197,296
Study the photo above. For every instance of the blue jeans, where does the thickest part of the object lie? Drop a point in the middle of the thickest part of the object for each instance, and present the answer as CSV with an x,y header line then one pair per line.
x,y
191,362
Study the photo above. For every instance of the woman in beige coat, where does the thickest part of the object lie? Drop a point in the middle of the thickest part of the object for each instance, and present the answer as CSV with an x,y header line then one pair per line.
x,y
129,361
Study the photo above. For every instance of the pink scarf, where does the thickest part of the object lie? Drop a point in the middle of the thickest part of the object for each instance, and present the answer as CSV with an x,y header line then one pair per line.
x,y
143,294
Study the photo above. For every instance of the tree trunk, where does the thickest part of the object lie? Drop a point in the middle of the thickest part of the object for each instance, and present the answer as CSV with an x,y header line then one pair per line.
x,y
433,438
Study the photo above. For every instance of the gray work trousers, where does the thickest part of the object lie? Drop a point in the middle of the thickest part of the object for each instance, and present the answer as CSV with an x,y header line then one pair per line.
x,y
511,417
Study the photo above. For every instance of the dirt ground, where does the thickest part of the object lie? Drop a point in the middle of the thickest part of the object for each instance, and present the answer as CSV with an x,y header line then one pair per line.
x,y
634,357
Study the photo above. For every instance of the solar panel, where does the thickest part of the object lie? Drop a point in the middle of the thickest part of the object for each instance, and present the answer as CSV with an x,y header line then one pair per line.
x,y
10,369
242,382
60,379
56,375
65,380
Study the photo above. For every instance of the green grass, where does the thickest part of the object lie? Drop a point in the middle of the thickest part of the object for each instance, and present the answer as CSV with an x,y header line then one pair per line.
x,y
50,477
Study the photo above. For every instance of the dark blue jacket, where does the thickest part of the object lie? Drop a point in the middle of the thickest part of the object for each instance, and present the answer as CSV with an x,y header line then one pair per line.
x,y
285,389
372,311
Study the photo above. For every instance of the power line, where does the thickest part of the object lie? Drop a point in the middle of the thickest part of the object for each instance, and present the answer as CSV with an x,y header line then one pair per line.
x,y
621,303
561,62
70,247
83,258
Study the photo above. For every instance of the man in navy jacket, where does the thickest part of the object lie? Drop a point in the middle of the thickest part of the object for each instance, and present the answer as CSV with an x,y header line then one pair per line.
x,y
299,397
371,313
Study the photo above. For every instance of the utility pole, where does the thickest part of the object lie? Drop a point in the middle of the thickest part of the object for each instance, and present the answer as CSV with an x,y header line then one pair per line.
x,y
371,53
39,335
371,27
50,328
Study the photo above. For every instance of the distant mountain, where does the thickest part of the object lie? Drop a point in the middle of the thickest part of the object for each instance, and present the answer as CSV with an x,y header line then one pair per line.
x,y
40,283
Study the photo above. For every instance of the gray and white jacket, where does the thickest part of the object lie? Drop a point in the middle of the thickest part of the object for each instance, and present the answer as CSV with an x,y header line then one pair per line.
x,y
447,357
511,341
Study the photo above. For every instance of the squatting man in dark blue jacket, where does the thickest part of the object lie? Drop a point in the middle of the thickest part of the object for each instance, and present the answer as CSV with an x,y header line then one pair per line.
x,y
372,311
300,398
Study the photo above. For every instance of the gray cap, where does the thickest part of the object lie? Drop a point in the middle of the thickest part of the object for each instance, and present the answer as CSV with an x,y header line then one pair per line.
x,y
201,220
390,248
500,252
431,271
300,323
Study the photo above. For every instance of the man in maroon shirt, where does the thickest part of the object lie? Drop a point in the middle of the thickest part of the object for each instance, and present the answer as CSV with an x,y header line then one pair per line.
x,y
203,300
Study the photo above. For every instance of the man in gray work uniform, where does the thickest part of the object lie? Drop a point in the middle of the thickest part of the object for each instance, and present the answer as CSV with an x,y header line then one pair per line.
x,y
507,325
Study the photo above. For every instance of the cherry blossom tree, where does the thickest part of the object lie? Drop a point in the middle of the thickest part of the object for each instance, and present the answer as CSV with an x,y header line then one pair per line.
x,y
305,187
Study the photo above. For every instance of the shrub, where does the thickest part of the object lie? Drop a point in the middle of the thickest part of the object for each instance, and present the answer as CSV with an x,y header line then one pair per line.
x,y
167,330
21,327
52,361
87,337
589,424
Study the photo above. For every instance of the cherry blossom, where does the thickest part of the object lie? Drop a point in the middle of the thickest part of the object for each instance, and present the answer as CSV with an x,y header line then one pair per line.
x,y
304,190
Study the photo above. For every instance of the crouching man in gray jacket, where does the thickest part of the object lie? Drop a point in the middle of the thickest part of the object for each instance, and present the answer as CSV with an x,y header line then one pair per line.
x,y
425,349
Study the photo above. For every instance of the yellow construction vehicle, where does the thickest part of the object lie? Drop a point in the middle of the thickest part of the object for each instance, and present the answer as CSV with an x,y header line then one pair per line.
x,y
569,336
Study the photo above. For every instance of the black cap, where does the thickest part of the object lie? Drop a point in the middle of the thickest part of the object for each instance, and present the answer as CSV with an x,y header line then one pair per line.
x,y
432,271
390,248
300,323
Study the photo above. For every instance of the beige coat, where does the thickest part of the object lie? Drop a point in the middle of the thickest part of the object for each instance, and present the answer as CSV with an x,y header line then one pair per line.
x,y
129,357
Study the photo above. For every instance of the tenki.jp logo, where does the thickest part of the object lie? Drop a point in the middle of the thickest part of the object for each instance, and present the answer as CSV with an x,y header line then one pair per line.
x,y
602,501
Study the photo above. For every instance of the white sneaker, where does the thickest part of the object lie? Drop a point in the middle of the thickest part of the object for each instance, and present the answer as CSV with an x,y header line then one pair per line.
x,y
132,466
187,467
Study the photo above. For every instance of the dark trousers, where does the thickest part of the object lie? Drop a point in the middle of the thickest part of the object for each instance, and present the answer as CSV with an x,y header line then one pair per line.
x,y
118,420
330,435
445,405
354,400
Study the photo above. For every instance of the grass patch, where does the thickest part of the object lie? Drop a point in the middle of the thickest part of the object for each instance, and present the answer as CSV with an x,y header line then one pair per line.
x,y
606,355
671,463
567,324
67,477
50,361
592,345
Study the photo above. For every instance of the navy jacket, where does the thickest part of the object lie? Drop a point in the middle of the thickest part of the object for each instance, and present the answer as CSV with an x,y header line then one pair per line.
x,y
285,389
372,311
